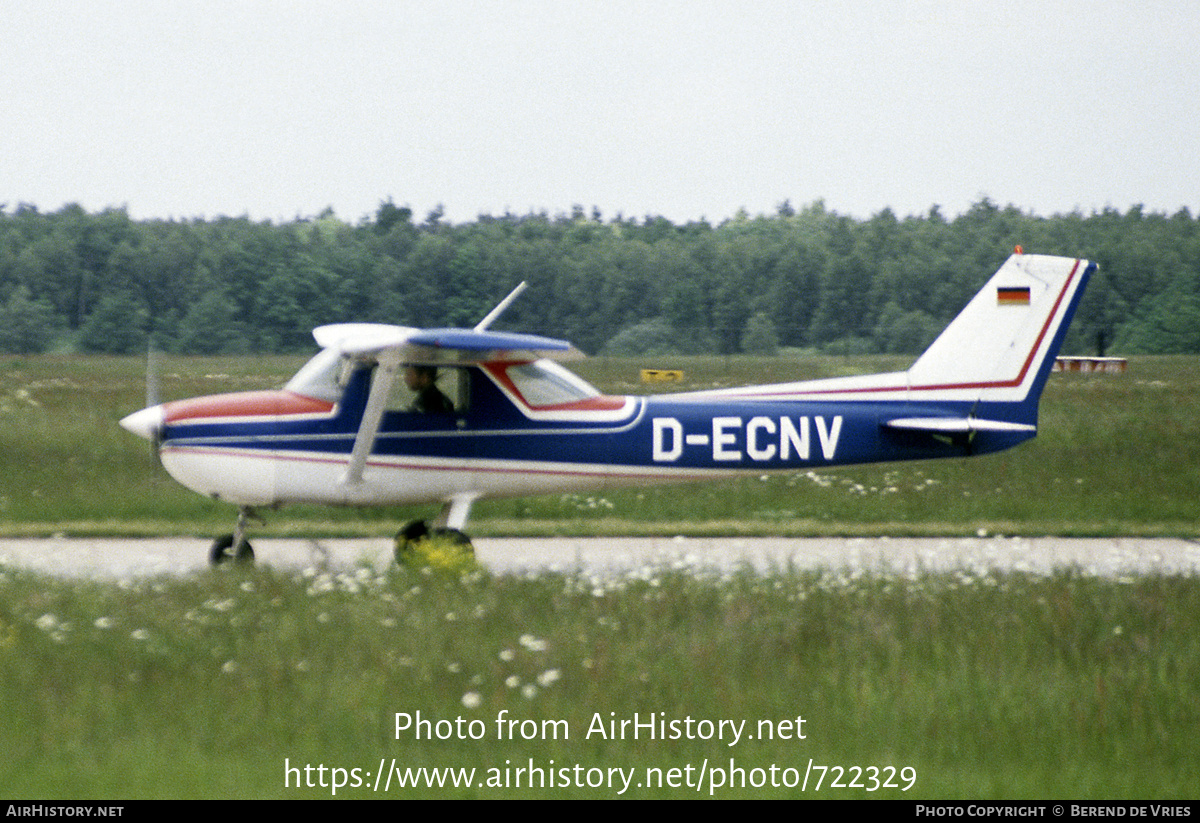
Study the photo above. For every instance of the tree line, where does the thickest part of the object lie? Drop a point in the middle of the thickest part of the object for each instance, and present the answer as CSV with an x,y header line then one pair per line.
x,y
809,277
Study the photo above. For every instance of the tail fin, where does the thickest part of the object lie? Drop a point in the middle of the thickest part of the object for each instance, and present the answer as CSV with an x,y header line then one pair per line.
x,y
1001,347
984,373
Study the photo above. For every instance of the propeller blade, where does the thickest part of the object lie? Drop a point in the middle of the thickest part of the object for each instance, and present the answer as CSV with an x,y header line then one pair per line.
x,y
154,398
153,393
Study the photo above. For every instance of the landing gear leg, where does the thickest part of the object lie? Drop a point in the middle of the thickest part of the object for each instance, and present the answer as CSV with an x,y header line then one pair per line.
x,y
234,547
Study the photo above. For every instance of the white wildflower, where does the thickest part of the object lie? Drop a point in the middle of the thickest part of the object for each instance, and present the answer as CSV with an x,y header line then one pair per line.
x,y
532,643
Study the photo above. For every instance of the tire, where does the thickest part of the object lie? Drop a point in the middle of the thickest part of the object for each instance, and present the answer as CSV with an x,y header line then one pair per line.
x,y
222,551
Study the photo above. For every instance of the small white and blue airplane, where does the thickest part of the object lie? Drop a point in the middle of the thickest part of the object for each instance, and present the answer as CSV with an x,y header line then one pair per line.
x,y
359,425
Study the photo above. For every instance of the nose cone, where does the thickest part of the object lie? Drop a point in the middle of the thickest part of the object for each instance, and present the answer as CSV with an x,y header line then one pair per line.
x,y
147,423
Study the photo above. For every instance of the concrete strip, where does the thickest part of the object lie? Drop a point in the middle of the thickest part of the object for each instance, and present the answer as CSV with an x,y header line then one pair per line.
x,y
118,558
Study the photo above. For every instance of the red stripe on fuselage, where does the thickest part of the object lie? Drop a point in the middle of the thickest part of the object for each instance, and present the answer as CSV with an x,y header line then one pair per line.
x,y
244,404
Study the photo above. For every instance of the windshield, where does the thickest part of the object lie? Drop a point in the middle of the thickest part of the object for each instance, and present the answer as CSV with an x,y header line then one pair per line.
x,y
319,378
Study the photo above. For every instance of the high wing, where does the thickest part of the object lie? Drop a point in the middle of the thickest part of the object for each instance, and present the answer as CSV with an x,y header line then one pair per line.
x,y
435,347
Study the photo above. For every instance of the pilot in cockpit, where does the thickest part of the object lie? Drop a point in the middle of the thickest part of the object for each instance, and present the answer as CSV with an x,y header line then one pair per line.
x,y
429,398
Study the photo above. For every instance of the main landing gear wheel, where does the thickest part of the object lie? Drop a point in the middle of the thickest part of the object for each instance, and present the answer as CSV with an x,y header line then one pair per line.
x,y
417,535
222,551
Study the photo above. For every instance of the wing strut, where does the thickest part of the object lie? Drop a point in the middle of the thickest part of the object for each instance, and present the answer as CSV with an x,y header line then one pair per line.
x,y
368,427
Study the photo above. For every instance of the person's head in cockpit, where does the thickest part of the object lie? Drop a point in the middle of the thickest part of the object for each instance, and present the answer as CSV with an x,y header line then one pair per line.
x,y
423,381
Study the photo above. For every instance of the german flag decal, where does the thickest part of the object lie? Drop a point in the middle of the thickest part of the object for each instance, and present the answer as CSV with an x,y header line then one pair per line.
x,y
1012,295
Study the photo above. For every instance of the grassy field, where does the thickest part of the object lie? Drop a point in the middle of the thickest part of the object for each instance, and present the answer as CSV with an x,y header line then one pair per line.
x,y
261,683
1116,455
947,686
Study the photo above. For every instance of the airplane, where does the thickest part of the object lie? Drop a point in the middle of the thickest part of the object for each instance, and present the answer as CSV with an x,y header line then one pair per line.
x,y
348,430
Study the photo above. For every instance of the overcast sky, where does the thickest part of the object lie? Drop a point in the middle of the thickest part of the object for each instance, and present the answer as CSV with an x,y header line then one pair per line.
x,y
686,109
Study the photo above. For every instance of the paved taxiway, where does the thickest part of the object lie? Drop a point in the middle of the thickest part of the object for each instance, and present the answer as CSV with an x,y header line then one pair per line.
x,y
125,558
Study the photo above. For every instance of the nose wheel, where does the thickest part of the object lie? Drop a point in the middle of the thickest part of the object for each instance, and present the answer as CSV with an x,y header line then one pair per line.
x,y
233,548
223,551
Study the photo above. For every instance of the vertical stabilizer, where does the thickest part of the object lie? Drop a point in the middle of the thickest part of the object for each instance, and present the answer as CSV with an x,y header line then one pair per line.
x,y
1001,347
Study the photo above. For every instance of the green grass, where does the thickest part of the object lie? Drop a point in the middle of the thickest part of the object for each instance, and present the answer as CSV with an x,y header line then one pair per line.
x,y
987,686
1116,455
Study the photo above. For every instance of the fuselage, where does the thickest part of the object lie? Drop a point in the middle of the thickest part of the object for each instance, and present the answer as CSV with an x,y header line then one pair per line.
x,y
268,448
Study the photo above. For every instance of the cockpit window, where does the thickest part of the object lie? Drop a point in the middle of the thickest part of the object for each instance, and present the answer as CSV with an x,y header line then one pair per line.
x,y
321,377
545,383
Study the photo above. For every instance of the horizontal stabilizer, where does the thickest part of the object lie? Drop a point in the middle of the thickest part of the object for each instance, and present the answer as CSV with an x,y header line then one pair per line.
x,y
956,425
